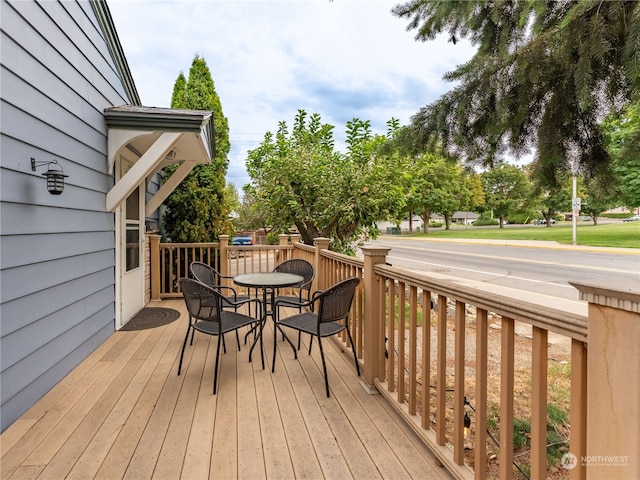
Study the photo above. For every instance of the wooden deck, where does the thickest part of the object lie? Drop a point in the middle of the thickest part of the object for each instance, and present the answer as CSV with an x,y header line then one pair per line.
x,y
125,413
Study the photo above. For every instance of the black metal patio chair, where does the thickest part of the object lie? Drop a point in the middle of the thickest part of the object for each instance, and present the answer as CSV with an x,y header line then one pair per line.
x,y
208,275
207,315
329,316
296,266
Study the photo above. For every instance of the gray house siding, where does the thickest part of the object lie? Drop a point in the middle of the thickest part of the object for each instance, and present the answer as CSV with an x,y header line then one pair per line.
x,y
57,253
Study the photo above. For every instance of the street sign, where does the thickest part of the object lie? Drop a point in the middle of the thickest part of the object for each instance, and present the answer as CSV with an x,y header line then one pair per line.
x,y
576,204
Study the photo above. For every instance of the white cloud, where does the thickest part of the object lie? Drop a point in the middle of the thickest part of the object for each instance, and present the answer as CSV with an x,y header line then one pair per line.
x,y
342,59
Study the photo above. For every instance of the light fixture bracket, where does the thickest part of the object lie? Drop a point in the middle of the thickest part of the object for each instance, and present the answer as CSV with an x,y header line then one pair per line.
x,y
55,176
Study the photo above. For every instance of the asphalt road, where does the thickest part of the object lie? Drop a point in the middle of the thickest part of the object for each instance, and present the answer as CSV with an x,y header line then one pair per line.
x,y
539,267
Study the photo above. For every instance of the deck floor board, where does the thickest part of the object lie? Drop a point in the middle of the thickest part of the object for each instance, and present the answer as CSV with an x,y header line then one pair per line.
x,y
125,413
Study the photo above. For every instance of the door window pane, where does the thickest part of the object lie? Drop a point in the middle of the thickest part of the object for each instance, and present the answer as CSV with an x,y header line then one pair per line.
x,y
133,230
133,246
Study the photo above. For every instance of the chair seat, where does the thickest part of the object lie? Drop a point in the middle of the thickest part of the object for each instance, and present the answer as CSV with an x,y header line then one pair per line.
x,y
230,321
289,300
308,322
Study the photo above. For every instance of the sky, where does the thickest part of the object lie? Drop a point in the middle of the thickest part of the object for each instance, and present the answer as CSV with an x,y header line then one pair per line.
x,y
342,59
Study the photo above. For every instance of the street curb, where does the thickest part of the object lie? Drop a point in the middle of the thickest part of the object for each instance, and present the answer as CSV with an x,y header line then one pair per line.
x,y
543,244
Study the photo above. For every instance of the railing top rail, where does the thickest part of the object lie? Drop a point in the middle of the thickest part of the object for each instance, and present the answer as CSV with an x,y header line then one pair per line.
x,y
259,247
566,317
189,245
302,246
353,261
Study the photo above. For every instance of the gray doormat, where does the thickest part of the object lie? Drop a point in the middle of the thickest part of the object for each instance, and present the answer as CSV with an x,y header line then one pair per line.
x,y
151,317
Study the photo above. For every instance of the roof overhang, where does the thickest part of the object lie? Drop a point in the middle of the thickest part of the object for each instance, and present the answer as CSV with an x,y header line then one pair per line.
x,y
155,138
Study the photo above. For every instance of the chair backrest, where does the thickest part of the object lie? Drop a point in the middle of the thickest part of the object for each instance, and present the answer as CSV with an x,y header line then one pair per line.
x,y
301,267
203,302
205,273
335,301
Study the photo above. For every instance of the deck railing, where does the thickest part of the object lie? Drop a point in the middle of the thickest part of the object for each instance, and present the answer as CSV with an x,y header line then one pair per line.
x,y
441,350
437,344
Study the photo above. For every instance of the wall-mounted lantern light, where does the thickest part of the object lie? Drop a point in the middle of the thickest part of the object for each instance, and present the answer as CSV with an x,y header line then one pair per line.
x,y
55,176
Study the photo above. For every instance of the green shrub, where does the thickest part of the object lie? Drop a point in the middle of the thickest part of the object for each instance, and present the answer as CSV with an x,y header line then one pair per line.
x,y
483,222
616,215
520,218
272,238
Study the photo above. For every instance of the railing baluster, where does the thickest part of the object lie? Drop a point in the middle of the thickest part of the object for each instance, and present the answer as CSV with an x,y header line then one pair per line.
x,y
578,408
506,398
401,340
413,337
441,372
391,335
383,299
458,386
426,359
539,367
482,374
359,320
171,271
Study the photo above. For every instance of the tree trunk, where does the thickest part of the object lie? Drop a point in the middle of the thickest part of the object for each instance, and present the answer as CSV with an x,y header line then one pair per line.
x,y
307,233
425,219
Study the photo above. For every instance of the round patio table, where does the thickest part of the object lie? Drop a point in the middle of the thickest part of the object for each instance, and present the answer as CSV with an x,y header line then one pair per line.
x,y
267,282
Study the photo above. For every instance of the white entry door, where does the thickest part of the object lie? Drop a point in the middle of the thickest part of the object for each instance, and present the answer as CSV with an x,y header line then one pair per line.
x,y
131,261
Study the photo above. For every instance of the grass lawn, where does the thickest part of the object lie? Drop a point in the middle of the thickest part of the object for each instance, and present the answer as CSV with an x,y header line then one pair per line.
x,y
625,235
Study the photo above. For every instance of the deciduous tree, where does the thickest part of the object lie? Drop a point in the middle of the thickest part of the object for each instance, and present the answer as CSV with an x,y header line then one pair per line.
x,y
506,189
622,131
299,180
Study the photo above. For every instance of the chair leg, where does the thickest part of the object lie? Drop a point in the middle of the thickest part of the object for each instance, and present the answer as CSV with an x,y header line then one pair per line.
x,y
253,329
215,374
184,345
275,345
324,366
353,348
238,336
193,332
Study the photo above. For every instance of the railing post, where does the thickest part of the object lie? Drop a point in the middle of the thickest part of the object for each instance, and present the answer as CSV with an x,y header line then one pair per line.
x,y
154,263
224,263
373,317
294,238
613,387
283,240
320,243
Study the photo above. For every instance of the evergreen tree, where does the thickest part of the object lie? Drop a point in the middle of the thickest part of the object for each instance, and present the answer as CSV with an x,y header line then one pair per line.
x,y
179,97
543,76
197,210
